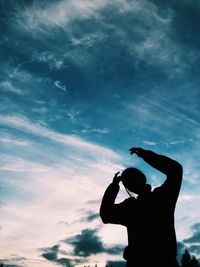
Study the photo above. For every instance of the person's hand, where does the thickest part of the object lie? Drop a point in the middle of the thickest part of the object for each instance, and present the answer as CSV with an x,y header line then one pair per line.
x,y
136,150
117,178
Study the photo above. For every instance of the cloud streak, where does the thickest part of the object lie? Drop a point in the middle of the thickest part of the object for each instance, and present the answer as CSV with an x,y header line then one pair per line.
x,y
25,124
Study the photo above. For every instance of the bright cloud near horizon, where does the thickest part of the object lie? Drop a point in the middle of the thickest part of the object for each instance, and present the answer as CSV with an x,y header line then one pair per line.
x,y
80,83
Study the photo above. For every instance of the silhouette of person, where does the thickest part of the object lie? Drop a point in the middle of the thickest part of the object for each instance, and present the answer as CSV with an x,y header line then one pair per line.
x,y
149,218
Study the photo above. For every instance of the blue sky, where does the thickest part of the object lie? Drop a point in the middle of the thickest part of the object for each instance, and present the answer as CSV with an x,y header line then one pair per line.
x,y
81,82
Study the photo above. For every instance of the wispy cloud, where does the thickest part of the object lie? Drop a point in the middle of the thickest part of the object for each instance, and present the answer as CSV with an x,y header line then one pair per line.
x,y
60,13
53,60
153,42
149,143
35,128
61,86
150,109
9,140
7,86
94,130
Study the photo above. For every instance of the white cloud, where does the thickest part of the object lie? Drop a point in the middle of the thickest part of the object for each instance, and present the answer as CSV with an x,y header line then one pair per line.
x,y
60,85
187,214
7,86
88,40
186,197
149,143
53,187
41,110
26,125
53,60
59,13
8,140
152,36
95,130
73,115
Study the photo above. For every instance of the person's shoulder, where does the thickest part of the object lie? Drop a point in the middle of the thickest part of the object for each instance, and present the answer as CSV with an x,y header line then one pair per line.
x,y
129,201
161,192
157,190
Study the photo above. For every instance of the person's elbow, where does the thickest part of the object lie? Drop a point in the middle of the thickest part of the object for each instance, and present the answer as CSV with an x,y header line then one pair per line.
x,y
104,216
178,168
105,220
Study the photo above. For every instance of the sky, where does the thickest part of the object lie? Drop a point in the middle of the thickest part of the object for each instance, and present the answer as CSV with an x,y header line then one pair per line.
x,y
80,83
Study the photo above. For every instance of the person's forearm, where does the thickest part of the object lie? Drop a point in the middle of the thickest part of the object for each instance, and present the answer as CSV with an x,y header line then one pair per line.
x,y
159,162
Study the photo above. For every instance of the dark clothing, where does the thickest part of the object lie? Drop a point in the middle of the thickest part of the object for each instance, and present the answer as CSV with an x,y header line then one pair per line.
x,y
149,218
171,263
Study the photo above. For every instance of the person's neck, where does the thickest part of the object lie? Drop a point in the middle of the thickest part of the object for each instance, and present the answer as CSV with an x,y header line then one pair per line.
x,y
145,191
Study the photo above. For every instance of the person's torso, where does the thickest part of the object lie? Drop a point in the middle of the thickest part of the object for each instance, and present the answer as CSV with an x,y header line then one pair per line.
x,y
150,226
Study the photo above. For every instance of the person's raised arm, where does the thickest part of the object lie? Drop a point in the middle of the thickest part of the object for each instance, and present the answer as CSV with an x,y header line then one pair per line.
x,y
162,163
107,208
171,168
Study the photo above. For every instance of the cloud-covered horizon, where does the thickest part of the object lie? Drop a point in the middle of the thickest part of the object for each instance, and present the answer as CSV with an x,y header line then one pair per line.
x,y
80,83
83,245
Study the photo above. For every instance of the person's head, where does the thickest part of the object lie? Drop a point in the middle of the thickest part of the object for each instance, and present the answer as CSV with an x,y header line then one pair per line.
x,y
134,180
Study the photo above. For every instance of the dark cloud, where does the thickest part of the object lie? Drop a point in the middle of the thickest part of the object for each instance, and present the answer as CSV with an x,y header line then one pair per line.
x,y
180,247
91,216
6,264
86,243
193,242
51,256
195,249
116,263
65,262
14,261
116,250
51,253
89,243
180,250
196,227
195,238
91,202
88,216
9,263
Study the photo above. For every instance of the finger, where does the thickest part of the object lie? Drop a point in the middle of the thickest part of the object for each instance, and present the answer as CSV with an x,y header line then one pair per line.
x,y
116,174
132,150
